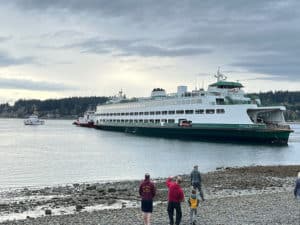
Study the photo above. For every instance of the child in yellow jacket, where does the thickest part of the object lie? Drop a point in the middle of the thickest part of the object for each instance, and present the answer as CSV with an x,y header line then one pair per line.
x,y
193,203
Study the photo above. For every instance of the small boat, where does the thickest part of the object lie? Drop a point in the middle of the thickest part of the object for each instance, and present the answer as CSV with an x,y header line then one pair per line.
x,y
87,120
34,120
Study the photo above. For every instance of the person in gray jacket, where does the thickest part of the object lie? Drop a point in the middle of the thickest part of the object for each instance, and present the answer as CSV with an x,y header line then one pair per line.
x,y
196,181
297,188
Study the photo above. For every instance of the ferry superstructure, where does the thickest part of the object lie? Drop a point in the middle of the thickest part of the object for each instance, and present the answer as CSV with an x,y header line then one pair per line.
x,y
220,113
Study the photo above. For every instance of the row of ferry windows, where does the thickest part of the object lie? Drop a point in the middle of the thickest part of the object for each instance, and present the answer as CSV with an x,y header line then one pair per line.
x,y
141,121
172,112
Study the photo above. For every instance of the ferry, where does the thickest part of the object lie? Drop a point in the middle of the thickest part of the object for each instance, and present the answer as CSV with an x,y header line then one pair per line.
x,y
221,113
87,120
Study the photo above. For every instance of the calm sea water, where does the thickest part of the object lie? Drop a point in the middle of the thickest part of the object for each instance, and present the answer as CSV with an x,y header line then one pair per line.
x,y
60,153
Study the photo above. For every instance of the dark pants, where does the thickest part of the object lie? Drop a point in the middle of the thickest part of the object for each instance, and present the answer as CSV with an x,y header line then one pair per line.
x,y
177,207
199,187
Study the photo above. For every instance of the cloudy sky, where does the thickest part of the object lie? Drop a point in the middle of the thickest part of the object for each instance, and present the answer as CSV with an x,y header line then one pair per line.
x,y
61,48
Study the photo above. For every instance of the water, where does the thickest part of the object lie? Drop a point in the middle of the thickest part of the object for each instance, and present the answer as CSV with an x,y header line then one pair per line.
x,y
60,153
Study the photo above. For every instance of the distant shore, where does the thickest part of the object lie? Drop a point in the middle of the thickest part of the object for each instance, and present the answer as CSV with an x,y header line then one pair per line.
x,y
246,195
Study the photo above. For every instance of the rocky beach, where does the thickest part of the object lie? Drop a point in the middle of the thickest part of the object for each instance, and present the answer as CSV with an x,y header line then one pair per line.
x,y
246,195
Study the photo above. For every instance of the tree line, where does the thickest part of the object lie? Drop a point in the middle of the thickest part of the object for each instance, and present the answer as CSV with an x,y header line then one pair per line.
x,y
51,108
76,106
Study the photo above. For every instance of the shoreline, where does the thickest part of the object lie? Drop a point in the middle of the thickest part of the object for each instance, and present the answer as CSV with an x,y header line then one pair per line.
x,y
114,200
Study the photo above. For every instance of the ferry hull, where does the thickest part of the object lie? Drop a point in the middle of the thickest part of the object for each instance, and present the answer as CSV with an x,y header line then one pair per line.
x,y
251,135
89,125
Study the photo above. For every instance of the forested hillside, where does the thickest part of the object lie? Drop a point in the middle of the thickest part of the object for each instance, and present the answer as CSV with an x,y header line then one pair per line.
x,y
51,108
75,106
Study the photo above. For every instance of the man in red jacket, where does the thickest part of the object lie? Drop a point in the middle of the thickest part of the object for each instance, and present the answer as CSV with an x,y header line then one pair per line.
x,y
175,196
147,192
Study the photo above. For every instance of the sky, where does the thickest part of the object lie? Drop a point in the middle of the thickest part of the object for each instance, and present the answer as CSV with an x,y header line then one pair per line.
x,y
64,48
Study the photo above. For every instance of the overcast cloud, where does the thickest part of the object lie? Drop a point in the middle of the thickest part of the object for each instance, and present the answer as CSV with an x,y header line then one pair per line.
x,y
120,44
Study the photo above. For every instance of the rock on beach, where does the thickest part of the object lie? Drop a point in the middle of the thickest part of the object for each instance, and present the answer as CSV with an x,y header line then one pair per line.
x,y
248,195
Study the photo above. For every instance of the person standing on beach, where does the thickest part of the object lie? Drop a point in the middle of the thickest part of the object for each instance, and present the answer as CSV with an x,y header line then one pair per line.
x,y
297,188
196,181
175,197
193,203
147,192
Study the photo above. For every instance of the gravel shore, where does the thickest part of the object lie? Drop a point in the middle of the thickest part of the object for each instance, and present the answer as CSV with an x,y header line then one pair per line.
x,y
248,195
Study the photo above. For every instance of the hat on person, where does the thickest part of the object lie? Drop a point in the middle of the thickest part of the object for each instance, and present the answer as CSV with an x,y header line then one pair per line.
x,y
178,179
147,176
196,166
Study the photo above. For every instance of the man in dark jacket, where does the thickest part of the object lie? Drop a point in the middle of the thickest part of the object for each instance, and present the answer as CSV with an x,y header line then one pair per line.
x,y
297,188
147,192
175,197
196,181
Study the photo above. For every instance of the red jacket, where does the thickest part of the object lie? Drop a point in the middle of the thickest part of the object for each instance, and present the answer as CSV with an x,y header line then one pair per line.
x,y
175,192
147,190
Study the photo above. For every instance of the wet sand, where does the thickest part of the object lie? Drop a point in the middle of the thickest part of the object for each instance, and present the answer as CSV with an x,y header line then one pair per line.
x,y
248,195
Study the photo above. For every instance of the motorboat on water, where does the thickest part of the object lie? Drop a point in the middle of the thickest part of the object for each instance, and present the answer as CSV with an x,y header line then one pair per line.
x,y
87,120
34,120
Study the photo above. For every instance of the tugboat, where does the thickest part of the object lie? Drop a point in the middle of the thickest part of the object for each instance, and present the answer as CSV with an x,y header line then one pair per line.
x,y
33,120
87,120
222,112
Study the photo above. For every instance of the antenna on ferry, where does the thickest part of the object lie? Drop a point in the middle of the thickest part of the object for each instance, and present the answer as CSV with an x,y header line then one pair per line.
x,y
219,75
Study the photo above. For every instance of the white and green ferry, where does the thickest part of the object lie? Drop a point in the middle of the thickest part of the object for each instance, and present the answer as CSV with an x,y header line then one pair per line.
x,y
220,113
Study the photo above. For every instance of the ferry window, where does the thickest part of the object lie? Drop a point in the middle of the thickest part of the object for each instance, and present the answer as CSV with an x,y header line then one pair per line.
x,y
157,113
122,114
189,111
130,121
145,121
110,120
164,112
171,121
199,111
210,111
220,101
140,121
126,121
114,120
151,121
118,114
126,114
136,113
136,121
122,121
220,111
164,120
146,113
141,113
171,112
131,114
179,111
118,120
152,113
157,121
111,114
114,114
